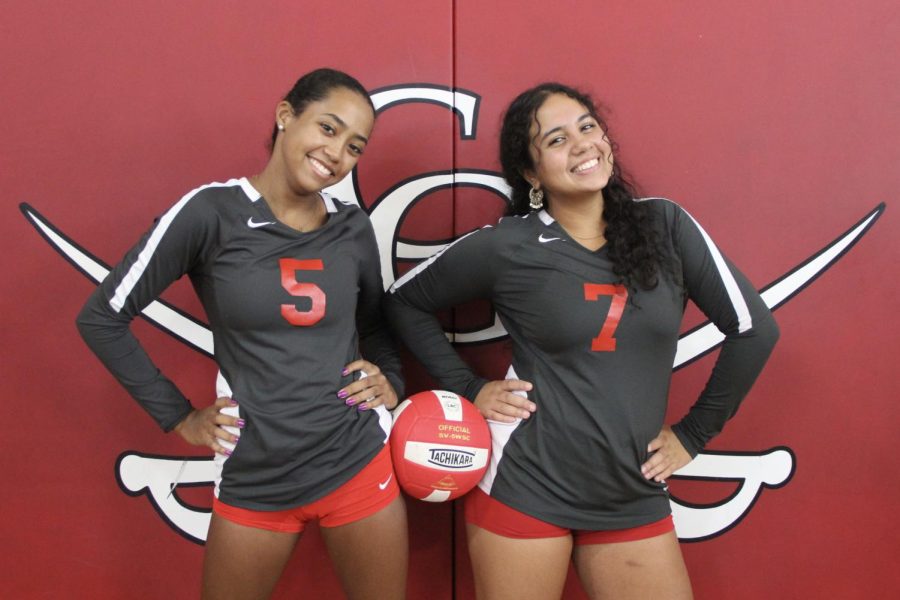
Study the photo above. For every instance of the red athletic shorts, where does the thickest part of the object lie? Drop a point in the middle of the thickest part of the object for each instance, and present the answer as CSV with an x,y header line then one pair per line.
x,y
368,492
496,517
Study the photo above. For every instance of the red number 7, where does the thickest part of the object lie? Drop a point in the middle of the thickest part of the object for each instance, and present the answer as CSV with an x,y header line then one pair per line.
x,y
605,342
289,268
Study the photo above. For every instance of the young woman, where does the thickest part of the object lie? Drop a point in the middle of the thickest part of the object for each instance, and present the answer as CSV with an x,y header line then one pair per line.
x,y
591,284
290,281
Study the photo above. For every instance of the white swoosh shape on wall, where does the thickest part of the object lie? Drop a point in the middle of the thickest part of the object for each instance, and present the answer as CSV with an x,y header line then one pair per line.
x,y
691,345
159,476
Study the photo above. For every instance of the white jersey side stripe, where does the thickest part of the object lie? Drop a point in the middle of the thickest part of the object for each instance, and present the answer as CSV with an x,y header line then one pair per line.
x,y
500,434
745,321
143,260
223,390
738,303
425,264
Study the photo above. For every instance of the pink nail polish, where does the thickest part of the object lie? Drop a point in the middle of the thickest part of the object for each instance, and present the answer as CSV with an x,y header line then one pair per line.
x,y
241,423
350,401
345,372
342,394
233,402
226,451
362,407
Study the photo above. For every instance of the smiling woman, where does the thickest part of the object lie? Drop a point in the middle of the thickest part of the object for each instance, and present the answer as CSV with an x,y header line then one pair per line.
x,y
591,284
317,141
289,279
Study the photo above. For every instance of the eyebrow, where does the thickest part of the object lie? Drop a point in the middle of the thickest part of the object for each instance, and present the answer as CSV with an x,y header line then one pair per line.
x,y
586,115
340,122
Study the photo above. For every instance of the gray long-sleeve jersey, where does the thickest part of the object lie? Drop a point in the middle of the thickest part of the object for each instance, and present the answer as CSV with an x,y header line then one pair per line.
x,y
600,361
288,310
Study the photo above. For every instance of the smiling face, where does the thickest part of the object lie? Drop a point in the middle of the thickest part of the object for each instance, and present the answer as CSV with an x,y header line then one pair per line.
x,y
571,154
322,144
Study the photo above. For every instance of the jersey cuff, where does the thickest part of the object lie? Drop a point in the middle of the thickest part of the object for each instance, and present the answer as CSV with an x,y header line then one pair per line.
x,y
397,383
692,448
474,388
172,424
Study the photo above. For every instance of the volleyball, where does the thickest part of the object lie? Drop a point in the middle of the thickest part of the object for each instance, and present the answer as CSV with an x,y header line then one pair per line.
x,y
440,445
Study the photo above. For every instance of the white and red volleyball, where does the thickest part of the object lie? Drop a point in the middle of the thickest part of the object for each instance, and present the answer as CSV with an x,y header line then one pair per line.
x,y
440,445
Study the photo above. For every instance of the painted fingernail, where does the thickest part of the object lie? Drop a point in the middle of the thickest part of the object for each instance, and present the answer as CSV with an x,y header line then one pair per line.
x,y
363,407
345,372
233,402
350,401
240,423
342,394
226,451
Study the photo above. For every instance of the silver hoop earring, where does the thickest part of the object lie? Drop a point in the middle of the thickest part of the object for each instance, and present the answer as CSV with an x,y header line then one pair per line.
x,y
536,198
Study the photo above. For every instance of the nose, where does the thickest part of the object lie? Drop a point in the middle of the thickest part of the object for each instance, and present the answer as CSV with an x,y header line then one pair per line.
x,y
332,151
582,144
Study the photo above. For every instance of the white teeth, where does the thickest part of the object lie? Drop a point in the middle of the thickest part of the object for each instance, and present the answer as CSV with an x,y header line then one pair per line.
x,y
318,166
586,165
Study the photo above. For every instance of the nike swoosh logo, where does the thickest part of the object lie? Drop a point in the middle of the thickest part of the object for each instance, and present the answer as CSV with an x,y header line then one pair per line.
x,y
253,224
544,240
382,486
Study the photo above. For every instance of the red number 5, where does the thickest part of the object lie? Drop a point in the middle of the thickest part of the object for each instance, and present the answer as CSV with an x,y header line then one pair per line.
x,y
605,342
289,268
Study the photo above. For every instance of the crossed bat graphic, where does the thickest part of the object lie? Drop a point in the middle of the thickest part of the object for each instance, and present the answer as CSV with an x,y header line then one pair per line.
x,y
159,476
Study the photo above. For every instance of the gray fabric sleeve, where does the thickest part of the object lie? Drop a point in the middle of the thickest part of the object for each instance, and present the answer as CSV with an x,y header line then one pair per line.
x,y
163,254
461,272
733,304
375,341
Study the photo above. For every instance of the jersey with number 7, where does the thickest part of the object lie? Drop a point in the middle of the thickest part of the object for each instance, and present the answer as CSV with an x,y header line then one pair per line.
x,y
598,354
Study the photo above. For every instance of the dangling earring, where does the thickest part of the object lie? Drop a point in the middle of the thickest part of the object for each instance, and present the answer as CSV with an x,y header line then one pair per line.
x,y
536,198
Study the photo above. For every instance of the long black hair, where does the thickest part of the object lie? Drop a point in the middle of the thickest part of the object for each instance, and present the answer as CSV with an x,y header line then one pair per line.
x,y
633,241
315,86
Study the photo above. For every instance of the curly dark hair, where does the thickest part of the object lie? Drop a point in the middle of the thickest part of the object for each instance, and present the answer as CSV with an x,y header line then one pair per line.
x,y
315,86
633,241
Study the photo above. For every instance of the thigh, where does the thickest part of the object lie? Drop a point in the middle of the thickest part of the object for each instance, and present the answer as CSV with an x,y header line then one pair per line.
x,y
516,568
648,568
243,562
371,555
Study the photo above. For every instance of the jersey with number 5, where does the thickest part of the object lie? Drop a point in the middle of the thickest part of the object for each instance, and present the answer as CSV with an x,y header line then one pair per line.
x,y
288,310
599,356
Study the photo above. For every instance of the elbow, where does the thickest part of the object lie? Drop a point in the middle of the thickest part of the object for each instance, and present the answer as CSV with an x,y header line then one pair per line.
x,y
95,324
83,322
771,332
764,335
392,309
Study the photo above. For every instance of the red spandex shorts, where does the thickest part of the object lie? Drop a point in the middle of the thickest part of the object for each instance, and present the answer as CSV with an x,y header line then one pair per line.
x,y
370,490
496,517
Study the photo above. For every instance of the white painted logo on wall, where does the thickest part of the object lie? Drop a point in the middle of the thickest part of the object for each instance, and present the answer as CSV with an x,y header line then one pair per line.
x,y
158,477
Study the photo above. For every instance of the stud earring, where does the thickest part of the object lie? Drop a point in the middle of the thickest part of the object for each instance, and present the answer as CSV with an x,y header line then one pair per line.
x,y
281,127
536,198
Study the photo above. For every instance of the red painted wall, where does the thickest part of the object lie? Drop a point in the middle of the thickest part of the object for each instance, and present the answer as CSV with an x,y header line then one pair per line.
x,y
774,123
